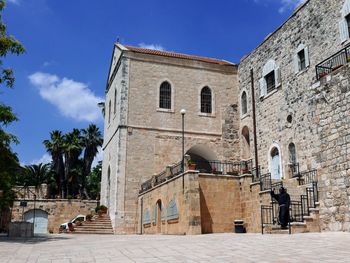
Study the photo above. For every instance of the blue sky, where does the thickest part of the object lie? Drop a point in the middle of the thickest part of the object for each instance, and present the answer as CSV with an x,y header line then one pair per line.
x,y
69,45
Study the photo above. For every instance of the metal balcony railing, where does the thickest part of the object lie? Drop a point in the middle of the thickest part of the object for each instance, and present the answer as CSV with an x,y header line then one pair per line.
x,y
332,63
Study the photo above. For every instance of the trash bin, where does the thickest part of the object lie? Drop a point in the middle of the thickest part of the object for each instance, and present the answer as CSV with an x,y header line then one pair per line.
x,y
239,226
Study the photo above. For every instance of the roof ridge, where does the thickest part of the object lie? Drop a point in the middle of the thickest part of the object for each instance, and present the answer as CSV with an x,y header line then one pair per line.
x,y
177,55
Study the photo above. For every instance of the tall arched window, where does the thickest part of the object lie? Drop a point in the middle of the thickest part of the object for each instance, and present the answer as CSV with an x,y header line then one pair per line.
x,y
292,153
275,163
165,95
109,111
206,100
115,101
244,103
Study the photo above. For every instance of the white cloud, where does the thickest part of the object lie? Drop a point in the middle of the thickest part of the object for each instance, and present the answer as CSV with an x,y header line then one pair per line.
x,y
98,157
73,99
46,158
285,5
289,4
16,2
152,46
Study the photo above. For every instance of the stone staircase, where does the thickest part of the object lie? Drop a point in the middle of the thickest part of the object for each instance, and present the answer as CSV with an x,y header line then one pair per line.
x,y
310,222
98,225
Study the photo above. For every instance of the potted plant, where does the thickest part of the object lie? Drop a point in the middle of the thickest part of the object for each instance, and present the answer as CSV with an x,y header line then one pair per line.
x,y
89,217
103,209
191,165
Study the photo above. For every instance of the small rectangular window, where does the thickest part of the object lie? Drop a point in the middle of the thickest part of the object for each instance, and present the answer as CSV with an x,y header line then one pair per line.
x,y
302,60
270,81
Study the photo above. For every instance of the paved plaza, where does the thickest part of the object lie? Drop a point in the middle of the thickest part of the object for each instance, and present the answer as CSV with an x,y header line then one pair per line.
x,y
313,247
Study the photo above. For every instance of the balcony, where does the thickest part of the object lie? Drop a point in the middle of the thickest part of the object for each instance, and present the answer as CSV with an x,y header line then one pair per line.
x,y
333,63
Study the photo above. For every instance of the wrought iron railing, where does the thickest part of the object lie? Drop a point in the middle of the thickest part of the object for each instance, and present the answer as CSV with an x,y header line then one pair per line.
x,y
176,169
332,63
308,177
160,178
145,186
265,182
295,169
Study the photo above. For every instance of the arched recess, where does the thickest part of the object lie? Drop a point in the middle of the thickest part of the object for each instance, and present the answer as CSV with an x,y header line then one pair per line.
x,y
245,143
275,160
160,214
39,218
201,155
292,153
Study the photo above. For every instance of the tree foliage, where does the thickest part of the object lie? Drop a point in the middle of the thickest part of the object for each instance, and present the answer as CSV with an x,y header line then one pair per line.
x,y
9,164
72,157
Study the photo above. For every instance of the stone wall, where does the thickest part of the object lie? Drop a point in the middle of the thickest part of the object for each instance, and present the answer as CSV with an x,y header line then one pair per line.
x,y
184,190
315,25
319,111
29,192
220,203
332,97
59,210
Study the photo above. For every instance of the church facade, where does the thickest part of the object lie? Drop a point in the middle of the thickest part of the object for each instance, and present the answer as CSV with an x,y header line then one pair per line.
x,y
280,117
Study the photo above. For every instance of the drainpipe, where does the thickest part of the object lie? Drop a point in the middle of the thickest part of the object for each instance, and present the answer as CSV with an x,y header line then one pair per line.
x,y
254,121
141,216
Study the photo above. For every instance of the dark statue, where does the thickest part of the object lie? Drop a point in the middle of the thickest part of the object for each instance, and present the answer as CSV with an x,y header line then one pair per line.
x,y
283,200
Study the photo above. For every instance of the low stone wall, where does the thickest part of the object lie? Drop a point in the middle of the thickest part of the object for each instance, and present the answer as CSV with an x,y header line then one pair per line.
x,y
21,229
59,210
220,203
184,192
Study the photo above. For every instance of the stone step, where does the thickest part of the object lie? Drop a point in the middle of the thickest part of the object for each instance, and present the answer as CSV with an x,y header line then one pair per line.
x,y
94,232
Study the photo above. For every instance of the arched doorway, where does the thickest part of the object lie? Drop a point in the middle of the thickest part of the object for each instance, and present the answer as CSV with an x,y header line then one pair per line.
x,y
275,168
245,143
201,155
159,216
39,218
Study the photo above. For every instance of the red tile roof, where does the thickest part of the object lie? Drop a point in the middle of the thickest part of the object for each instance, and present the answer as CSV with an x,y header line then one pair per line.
x,y
177,55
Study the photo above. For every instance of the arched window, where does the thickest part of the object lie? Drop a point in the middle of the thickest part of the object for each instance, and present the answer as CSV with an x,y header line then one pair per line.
x,y
146,217
115,101
292,153
109,111
206,100
244,106
108,186
276,172
172,210
165,95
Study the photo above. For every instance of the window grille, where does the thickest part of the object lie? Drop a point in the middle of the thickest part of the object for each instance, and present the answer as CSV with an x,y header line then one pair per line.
x,y
206,100
270,81
165,95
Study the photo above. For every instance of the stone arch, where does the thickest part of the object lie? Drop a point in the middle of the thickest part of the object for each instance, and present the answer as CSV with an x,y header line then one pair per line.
x,y
275,161
245,143
201,155
160,215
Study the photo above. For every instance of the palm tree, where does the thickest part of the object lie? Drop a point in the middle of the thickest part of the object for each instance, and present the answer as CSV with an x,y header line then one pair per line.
x,y
72,148
37,174
54,146
92,139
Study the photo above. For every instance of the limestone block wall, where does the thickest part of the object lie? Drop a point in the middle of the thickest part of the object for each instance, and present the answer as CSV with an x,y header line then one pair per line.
x,y
184,191
316,26
29,192
59,210
332,100
220,203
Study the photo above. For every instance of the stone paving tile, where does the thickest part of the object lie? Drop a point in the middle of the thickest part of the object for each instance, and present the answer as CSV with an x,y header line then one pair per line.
x,y
247,248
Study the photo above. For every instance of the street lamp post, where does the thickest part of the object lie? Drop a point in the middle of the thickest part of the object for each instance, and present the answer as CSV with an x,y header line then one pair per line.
x,y
183,112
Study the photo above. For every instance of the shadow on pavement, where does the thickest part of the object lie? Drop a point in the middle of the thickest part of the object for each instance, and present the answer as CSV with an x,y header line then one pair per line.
x,y
35,239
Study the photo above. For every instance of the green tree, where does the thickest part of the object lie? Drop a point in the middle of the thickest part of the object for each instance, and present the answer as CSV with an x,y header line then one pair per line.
x,y
72,147
55,146
92,140
9,164
93,181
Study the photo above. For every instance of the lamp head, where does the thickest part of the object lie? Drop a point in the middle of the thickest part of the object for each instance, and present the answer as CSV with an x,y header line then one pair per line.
x,y
183,111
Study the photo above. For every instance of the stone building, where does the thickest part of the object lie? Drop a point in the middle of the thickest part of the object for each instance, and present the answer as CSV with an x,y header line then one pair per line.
x,y
287,110
146,90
